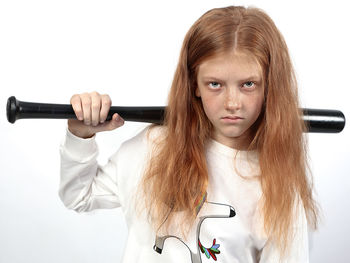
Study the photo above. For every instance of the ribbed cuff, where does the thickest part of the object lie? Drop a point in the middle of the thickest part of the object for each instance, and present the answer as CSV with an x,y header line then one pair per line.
x,y
78,147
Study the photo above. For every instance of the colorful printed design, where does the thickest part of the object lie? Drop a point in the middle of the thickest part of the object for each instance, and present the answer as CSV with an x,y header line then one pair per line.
x,y
201,202
210,251
228,212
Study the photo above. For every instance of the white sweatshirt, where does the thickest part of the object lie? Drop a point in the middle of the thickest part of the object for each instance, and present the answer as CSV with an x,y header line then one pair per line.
x,y
229,224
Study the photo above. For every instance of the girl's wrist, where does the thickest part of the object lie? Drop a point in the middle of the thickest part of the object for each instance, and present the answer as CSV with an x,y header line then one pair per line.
x,y
81,134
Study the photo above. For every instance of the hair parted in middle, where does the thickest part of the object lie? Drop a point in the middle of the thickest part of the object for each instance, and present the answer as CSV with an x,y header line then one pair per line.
x,y
177,176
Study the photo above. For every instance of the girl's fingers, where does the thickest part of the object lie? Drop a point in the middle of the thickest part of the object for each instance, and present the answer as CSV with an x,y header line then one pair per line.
x,y
95,108
86,105
92,108
106,103
76,104
116,122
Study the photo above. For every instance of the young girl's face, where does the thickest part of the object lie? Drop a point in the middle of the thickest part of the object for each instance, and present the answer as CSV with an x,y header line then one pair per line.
x,y
232,94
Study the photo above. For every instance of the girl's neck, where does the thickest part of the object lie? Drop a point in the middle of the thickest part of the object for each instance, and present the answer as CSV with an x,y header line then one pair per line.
x,y
239,143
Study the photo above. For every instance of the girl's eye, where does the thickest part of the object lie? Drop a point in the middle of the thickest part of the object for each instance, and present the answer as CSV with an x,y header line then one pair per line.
x,y
214,85
249,84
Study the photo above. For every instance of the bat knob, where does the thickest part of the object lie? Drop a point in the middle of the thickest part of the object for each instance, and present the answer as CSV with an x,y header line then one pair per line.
x,y
11,109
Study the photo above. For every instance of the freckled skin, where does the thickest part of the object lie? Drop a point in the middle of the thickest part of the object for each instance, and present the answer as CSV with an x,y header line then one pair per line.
x,y
230,84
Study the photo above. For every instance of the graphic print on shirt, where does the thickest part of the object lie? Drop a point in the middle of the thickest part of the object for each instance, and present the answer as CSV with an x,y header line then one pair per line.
x,y
205,210
210,252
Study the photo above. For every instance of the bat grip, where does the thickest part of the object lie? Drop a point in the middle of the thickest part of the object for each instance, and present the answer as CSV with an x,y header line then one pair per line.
x,y
29,110
17,109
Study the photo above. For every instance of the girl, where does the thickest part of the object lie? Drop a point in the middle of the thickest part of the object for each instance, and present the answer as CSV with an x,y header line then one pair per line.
x,y
225,178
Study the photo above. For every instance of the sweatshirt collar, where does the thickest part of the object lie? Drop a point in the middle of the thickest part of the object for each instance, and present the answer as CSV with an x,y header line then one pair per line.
x,y
217,147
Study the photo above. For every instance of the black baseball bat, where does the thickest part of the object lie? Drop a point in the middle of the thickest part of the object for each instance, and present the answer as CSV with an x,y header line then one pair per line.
x,y
316,120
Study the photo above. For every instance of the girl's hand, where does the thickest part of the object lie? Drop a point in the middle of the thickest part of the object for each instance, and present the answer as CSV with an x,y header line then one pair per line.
x,y
91,110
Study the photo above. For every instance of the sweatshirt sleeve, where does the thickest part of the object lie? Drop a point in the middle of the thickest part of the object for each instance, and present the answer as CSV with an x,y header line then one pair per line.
x,y
299,247
84,184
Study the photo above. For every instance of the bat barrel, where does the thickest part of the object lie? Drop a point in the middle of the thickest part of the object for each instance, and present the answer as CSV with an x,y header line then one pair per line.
x,y
324,121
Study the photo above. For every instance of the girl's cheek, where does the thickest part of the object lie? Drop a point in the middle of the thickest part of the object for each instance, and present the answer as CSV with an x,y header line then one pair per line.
x,y
210,106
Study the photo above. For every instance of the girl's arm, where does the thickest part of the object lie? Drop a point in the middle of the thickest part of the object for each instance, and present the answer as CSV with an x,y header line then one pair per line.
x,y
84,185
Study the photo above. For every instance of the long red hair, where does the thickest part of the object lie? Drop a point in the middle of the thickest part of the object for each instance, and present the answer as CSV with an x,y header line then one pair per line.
x,y
177,175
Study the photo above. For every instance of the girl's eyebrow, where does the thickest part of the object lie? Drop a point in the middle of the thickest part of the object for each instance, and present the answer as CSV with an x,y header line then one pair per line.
x,y
253,77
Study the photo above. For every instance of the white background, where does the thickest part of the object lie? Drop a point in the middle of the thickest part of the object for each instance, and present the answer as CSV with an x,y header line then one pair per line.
x,y
50,50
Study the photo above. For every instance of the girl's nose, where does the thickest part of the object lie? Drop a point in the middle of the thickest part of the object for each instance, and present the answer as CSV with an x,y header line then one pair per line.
x,y
232,100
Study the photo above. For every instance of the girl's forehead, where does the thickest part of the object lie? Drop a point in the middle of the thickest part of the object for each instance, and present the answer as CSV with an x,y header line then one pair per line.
x,y
233,61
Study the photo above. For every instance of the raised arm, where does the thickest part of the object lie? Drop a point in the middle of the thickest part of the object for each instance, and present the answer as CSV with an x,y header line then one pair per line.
x,y
84,185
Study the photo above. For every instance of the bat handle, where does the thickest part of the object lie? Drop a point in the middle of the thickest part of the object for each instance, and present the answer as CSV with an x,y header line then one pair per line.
x,y
17,109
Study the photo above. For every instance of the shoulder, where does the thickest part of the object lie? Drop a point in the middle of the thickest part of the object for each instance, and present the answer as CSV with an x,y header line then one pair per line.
x,y
145,138
132,159
142,144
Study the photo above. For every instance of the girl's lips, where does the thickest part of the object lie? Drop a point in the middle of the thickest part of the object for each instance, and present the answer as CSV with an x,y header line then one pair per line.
x,y
231,119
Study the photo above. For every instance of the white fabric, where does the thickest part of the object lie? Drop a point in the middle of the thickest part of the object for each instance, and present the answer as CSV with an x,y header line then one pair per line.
x,y
85,186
